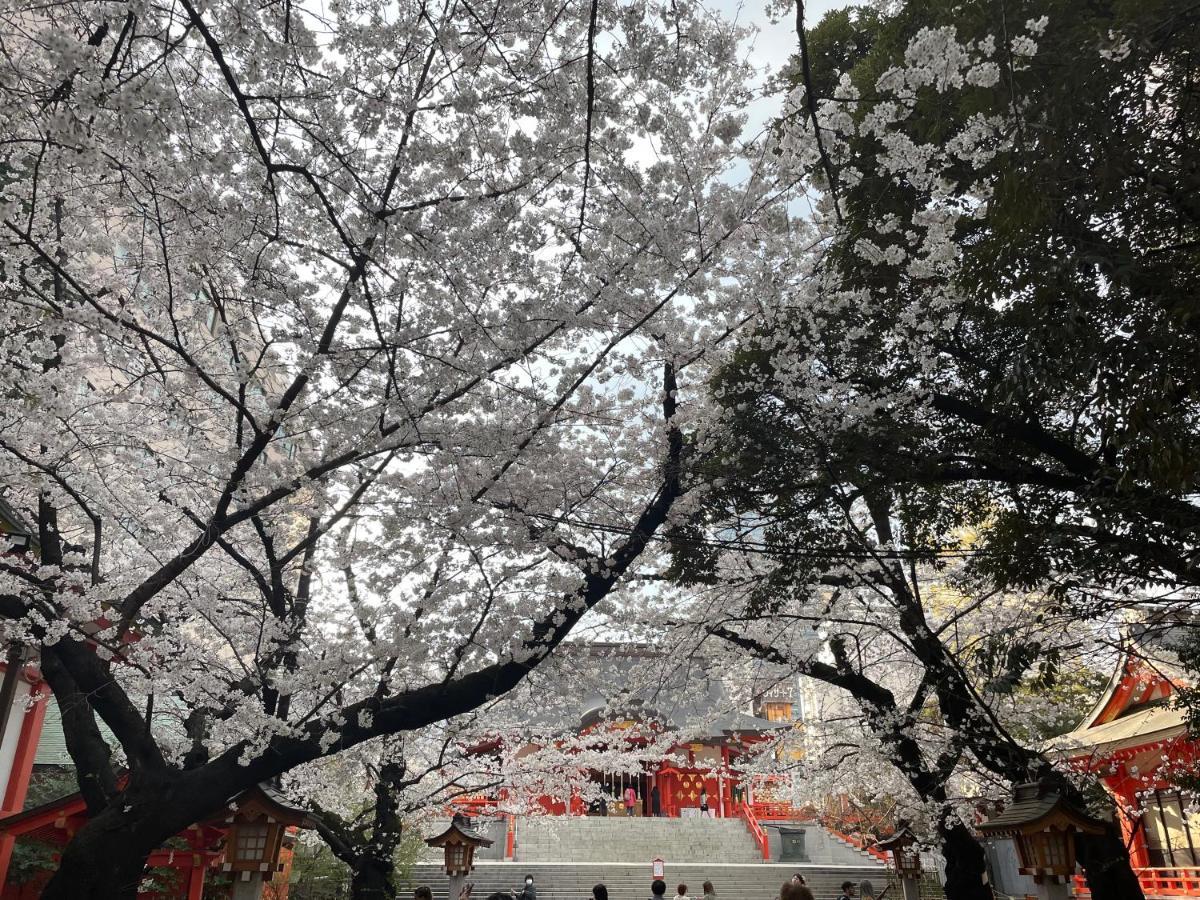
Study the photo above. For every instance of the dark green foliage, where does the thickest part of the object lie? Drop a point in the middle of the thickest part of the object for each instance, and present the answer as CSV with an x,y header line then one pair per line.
x,y
1059,412
29,858
317,874
50,783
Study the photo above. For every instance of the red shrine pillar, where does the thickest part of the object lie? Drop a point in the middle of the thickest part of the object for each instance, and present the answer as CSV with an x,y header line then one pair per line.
x,y
22,730
195,884
726,783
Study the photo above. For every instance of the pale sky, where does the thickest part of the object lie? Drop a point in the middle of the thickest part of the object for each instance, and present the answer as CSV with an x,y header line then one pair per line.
x,y
776,41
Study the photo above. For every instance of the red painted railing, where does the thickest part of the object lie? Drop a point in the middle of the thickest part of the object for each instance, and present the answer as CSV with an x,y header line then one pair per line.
x,y
859,843
756,830
474,805
1182,881
785,811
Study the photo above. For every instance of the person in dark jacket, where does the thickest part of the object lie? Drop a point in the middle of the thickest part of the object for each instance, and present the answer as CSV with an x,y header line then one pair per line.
x,y
802,892
656,805
793,891
658,889
847,891
528,891
599,892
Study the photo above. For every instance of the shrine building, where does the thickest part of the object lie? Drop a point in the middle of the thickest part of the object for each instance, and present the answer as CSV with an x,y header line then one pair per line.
x,y
1135,741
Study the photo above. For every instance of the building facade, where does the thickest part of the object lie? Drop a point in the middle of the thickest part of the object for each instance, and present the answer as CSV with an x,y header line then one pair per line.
x,y
1135,741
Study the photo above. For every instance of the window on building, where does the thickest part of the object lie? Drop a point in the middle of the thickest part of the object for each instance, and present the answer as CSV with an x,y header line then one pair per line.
x,y
251,843
1172,835
777,711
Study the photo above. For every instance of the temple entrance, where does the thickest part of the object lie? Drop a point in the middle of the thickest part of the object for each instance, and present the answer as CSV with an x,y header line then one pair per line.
x,y
613,787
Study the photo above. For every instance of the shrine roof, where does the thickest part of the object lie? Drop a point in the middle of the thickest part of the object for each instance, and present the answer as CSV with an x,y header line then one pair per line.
x,y
1146,725
591,683
1150,650
1037,805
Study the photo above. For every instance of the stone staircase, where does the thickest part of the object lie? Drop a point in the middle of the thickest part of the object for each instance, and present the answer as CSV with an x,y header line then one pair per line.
x,y
579,839
626,881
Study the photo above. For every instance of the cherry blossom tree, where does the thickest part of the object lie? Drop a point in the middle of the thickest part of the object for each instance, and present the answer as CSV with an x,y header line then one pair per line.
x,y
967,321
411,291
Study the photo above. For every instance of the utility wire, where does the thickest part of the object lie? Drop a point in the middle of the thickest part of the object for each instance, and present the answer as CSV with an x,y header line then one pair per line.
x,y
765,549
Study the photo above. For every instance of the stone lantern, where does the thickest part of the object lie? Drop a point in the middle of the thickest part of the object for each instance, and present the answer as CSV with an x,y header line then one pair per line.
x,y
1043,825
906,856
459,844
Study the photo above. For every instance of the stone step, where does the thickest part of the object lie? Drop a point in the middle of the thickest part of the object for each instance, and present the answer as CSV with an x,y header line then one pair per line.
x,y
573,881
598,839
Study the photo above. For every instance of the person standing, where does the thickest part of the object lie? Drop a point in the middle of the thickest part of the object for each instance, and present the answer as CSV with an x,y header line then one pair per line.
x,y
704,803
681,892
630,800
709,892
655,801
847,891
528,891
866,890
658,889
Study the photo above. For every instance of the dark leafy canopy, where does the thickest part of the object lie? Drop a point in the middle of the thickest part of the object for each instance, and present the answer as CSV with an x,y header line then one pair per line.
x,y
1060,409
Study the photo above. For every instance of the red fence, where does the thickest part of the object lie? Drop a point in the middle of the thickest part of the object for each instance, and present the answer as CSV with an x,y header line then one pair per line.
x,y
859,843
1183,881
778,811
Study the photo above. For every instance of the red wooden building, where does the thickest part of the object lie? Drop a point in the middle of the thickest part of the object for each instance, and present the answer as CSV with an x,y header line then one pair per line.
x,y
1136,742
612,710
711,767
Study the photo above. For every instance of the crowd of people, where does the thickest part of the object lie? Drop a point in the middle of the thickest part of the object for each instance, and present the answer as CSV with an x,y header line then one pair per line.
x,y
796,888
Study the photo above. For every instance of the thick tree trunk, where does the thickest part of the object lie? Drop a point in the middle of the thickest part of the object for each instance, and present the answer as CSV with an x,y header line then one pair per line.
x,y
105,860
966,866
1106,863
1105,860
372,879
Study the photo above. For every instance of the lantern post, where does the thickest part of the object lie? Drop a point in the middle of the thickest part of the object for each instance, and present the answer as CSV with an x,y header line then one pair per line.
x,y
1043,825
906,857
256,836
459,844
